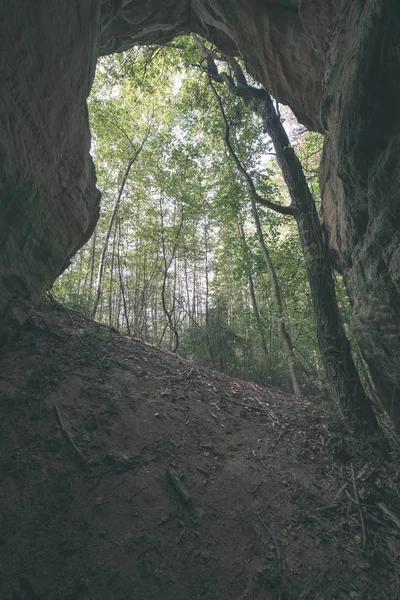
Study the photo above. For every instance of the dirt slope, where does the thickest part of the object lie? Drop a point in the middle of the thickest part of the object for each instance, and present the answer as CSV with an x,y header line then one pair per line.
x,y
94,426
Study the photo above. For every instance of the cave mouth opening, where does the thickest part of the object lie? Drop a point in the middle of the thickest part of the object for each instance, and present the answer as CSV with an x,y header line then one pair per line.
x,y
166,247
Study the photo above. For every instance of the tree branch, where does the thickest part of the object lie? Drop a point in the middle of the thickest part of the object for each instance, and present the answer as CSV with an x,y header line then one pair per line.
x,y
284,210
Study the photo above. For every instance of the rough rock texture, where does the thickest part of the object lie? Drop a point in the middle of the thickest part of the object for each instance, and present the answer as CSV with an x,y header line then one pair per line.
x,y
272,37
49,202
336,63
360,181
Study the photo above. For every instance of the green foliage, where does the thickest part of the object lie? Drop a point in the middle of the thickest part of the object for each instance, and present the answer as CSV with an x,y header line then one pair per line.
x,y
215,343
183,174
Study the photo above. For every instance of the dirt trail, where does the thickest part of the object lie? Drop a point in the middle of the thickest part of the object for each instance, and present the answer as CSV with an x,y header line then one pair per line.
x,y
131,474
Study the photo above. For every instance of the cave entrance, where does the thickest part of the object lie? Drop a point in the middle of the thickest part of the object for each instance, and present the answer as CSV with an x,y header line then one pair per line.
x,y
174,258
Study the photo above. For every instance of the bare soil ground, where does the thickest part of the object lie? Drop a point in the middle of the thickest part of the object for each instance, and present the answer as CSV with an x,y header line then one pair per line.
x,y
130,474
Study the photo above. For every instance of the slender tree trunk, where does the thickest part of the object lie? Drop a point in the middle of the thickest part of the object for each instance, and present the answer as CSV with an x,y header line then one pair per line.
x,y
121,280
85,282
187,288
80,274
112,219
194,292
92,262
144,303
173,298
117,310
278,304
136,294
154,320
167,265
206,271
110,292
253,298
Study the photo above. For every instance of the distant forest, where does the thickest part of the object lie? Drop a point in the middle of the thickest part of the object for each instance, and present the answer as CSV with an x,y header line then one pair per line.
x,y
211,240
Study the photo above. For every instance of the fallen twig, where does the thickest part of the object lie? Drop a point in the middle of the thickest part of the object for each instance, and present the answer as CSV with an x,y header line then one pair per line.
x,y
361,476
340,492
333,507
389,514
178,485
253,491
364,534
203,471
80,456
267,529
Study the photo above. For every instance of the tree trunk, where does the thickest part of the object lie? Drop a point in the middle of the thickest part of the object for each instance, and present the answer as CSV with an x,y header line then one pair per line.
x,y
343,379
206,271
112,219
167,265
121,280
278,305
92,261
253,298
111,300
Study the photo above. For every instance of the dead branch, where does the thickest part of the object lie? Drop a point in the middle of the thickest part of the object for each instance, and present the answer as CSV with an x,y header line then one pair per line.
x,y
268,530
178,486
364,541
81,459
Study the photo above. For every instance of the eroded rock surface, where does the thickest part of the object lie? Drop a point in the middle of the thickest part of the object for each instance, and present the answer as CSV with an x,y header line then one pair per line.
x,y
335,63
49,202
360,181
